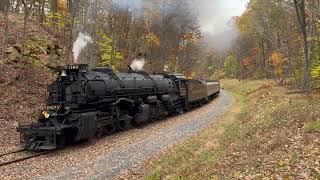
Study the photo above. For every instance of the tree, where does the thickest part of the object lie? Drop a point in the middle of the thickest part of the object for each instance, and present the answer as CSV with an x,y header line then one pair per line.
x,y
5,10
109,57
27,6
166,31
230,66
278,62
300,8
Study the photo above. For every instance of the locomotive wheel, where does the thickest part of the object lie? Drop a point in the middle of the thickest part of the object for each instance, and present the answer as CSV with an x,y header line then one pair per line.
x,y
124,125
109,129
179,111
99,134
199,104
187,107
124,122
157,118
135,123
61,141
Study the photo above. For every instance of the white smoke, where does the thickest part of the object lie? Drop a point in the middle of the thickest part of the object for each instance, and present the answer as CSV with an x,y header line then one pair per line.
x,y
79,45
138,64
135,6
222,41
216,20
166,68
214,17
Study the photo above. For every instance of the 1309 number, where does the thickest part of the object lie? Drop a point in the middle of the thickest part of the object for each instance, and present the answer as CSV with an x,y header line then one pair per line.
x,y
73,67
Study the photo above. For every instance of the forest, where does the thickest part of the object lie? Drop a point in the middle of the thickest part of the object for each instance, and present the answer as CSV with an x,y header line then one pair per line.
x,y
276,39
165,32
280,40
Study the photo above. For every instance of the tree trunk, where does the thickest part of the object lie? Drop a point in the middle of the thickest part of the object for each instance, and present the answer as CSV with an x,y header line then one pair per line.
x,y
26,16
40,15
6,4
2,5
17,7
301,15
73,7
54,6
54,10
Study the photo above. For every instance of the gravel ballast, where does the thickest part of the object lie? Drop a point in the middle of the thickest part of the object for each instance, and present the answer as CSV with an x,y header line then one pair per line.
x,y
108,157
110,164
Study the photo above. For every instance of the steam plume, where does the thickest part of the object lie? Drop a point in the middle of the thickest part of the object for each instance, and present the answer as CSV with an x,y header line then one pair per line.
x,y
138,64
166,68
79,45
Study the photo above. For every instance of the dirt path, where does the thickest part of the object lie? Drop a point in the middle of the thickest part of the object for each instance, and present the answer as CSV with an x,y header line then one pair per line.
x,y
108,157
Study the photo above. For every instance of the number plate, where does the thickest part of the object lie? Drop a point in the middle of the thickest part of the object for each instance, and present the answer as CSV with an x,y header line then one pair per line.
x,y
73,67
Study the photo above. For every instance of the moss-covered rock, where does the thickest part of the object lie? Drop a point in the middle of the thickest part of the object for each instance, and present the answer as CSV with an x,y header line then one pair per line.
x,y
13,54
38,51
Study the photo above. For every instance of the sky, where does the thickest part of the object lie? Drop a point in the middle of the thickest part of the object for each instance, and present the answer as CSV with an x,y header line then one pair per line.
x,y
215,14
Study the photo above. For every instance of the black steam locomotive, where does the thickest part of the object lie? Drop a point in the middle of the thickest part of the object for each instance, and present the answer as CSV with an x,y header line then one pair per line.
x,y
84,103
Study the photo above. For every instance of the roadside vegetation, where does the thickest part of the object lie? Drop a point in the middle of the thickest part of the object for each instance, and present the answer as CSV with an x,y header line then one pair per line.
x,y
267,133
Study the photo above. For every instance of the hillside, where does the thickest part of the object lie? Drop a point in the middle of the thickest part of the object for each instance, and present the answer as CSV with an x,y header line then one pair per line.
x,y
268,133
24,78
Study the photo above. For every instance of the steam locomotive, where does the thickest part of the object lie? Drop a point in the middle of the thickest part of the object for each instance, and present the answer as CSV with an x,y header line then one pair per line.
x,y
86,103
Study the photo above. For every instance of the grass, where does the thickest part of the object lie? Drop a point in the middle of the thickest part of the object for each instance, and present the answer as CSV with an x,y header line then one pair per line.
x,y
189,160
267,133
313,127
242,87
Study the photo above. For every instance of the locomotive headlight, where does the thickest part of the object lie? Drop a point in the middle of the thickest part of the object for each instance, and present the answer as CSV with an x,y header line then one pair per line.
x,y
46,114
63,73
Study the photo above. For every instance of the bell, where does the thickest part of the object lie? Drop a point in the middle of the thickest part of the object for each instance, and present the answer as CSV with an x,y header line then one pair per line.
x,y
63,73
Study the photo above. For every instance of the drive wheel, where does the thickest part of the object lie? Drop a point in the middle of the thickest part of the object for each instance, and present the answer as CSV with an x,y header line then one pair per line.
x,y
124,123
110,129
99,134
61,141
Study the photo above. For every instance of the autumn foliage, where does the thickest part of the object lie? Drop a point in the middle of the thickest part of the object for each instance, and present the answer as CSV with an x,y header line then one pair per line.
x,y
278,63
279,40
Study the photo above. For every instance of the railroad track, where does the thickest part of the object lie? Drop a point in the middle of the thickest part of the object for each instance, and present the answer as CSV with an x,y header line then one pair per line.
x,y
18,156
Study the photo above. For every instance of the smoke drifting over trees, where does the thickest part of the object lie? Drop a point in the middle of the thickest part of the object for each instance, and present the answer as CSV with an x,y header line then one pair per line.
x,y
201,38
174,34
217,21
214,19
